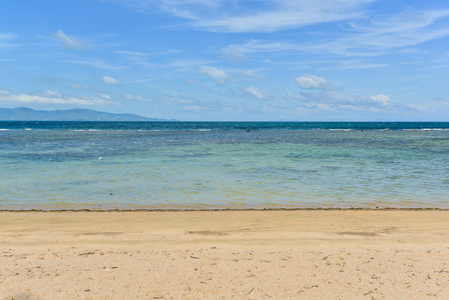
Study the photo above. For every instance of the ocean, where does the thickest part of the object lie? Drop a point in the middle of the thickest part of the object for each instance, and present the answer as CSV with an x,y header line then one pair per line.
x,y
222,165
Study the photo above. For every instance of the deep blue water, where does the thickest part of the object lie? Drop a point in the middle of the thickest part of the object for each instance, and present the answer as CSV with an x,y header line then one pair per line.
x,y
73,125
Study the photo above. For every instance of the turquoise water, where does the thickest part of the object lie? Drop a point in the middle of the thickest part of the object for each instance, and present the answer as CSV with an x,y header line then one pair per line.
x,y
163,165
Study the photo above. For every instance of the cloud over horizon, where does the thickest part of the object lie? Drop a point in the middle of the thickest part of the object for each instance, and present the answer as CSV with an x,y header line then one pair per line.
x,y
50,97
245,60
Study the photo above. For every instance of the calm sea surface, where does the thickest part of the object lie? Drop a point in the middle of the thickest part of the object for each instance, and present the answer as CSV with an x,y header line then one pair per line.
x,y
163,165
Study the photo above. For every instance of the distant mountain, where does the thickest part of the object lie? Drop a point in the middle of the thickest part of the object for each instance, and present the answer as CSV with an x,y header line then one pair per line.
x,y
28,114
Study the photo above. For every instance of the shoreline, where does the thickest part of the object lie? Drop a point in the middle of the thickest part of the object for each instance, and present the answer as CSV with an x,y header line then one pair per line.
x,y
228,209
241,254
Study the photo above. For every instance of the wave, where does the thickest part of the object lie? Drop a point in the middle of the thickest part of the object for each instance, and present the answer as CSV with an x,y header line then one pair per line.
x,y
426,129
340,129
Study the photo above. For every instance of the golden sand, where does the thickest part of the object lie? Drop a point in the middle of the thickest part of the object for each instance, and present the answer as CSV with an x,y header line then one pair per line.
x,y
298,254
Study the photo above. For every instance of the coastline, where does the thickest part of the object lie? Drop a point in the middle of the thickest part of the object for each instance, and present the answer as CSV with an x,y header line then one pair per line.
x,y
243,254
201,208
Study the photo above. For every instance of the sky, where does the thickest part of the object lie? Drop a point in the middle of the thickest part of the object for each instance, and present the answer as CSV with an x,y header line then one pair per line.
x,y
216,60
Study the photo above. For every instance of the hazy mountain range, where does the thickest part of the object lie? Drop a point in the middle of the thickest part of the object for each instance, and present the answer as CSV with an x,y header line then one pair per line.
x,y
28,114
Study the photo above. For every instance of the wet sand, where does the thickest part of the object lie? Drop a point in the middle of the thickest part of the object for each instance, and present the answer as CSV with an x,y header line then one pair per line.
x,y
299,254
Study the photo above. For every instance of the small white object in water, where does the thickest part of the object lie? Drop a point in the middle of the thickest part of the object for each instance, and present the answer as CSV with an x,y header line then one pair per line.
x,y
101,158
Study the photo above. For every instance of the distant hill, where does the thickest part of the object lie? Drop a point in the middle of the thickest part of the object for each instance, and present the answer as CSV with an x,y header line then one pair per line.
x,y
28,114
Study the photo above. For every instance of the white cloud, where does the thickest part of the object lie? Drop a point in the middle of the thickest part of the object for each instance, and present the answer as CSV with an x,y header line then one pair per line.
x,y
3,92
330,100
376,37
4,36
382,99
78,86
173,97
248,73
367,37
95,64
140,80
136,53
250,16
131,53
351,64
178,100
70,42
218,75
268,108
131,97
52,93
252,46
235,55
105,96
191,81
5,41
136,58
110,80
49,97
307,81
320,106
187,64
270,16
196,108
258,93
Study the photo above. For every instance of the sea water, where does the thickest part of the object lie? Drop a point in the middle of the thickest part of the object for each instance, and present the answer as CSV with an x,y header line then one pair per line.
x,y
208,165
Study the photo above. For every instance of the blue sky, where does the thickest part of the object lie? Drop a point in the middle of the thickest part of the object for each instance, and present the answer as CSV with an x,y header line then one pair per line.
x,y
321,60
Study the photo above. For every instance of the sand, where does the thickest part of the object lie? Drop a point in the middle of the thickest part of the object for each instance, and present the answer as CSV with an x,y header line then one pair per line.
x,y
300,254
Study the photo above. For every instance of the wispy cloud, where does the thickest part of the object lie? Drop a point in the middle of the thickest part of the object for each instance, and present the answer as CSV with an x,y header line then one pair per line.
x,y
235,55
247,16
78,86
188,63
110,81
277,20
140,80
98,64
382,99
327,101
6,41
136,53
134,97
70,42
8,36
218,75
178,99
258,93
317,95
50,97
365,38
376,37
309,81
253,45
136,58
104,96
131,53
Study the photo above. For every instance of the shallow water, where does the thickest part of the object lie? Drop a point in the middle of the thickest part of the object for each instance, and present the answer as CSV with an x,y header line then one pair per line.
x,y
57,165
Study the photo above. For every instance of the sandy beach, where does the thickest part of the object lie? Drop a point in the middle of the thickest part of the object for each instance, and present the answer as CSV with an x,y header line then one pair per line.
x,y
299,254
